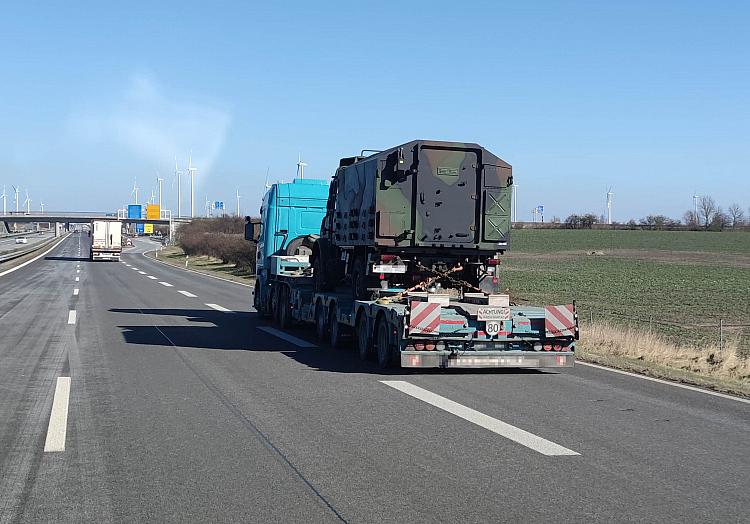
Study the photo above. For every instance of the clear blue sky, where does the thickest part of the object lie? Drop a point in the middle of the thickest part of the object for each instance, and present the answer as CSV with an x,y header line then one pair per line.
x,y
652,98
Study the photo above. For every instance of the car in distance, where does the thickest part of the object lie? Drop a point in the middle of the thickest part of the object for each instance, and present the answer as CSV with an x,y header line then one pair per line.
x,y
22,240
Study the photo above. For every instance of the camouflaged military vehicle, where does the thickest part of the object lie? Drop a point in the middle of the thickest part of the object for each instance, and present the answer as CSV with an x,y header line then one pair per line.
x,y
423,208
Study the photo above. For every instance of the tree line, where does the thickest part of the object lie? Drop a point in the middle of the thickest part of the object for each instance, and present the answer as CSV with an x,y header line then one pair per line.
x,y
707,215
222,238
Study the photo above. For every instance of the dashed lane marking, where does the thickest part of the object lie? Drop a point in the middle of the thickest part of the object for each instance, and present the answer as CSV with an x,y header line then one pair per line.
x,y
58,420
188,294
531,441
75,292
289,338
78,279
142,272
72,316
152,278
217,307
167,284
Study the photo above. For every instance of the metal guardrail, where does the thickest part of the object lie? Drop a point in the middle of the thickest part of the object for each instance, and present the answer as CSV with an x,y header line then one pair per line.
x,y
19,253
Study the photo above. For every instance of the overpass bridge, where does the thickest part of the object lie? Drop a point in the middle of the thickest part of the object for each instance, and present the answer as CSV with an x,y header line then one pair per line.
x,y
68,217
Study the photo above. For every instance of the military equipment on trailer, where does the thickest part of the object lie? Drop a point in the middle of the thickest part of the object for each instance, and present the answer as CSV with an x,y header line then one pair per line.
x,y
415,211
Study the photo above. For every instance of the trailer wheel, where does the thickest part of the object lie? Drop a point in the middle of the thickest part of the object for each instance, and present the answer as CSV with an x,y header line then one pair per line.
x,y
383,344
321,329
363,338
283,307
334,328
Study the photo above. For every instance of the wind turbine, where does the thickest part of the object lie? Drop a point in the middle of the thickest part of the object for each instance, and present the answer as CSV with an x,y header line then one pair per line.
x,y
695,205
268,173
4,197
609,205
178,174
27,202
159,181
41,204
300,166
135,190
238,202
15,190
191,172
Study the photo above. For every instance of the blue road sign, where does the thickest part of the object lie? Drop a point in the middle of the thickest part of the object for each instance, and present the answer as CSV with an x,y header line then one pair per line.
x,y
218,204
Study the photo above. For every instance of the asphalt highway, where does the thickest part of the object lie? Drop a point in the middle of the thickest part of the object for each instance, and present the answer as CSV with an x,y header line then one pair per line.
x,y
135,391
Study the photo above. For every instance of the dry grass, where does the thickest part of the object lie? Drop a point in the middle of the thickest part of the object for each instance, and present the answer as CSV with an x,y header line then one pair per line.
x,y
657,355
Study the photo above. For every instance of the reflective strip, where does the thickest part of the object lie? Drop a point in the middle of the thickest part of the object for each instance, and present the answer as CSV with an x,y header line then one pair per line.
x,y
424,317
559,321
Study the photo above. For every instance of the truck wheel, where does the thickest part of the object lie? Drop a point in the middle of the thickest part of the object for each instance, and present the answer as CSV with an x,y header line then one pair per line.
x,y
363,338
383,344
320,323
283,307
257,304
334,328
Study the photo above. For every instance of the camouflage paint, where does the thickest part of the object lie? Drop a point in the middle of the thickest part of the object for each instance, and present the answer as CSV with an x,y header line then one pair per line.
x,y
426,194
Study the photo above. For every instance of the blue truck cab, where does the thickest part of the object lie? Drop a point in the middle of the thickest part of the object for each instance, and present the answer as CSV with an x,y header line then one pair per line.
x,y
288,210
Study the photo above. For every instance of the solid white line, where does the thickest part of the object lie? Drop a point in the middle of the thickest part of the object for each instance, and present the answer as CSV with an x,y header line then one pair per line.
x,y
188,294
192,270
58,420
667,382
217,307
531,441
19,266
78,279
165,284
289,338
142,272
72,316
152,278
75,292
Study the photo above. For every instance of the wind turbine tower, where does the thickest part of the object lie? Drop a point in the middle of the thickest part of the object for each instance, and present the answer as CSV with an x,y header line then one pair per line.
x,y
4,197
191,172
159,181
238,202
15,190
178,174
300,166
41,204
135,190
695,205
609,205
28,203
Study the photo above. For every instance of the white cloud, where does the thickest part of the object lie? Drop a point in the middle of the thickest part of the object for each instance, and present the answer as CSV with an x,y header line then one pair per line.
x,y
155,126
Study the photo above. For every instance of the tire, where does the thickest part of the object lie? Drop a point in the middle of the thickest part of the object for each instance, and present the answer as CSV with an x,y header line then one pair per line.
x,y
383,344
321,327
364,349
334,328
284,318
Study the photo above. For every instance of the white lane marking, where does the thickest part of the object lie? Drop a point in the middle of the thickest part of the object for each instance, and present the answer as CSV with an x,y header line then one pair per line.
x,y
78,279
165,284
19,266
531,441
152,278
72,316
134,268
78,266
193,271
217,307
667,382
289,338
75,292
78,270
142,272
188,294
58,419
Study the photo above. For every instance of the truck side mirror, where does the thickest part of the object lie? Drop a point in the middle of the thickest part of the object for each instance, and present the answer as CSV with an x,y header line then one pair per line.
x,y
252,229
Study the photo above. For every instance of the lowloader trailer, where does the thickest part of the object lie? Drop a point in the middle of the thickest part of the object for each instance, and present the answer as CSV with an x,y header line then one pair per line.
x,y
371,260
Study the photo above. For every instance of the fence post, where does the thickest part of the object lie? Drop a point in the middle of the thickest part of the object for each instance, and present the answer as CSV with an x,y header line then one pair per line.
x,y
186,259
721,334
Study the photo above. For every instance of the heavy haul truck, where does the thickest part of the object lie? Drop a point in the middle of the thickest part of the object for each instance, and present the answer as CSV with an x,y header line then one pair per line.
x,y
399,256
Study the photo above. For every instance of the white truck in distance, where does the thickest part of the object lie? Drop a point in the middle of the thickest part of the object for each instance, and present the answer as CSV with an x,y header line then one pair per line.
x,y
106,240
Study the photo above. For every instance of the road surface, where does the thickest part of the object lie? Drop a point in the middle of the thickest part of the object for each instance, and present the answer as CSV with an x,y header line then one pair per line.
x,y
158,395
8,244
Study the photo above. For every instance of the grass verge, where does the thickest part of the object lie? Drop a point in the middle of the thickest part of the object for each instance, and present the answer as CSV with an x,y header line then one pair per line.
x,y
175,256
650,354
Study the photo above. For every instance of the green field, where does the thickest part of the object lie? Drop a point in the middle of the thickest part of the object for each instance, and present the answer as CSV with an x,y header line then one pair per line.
x,y
687,280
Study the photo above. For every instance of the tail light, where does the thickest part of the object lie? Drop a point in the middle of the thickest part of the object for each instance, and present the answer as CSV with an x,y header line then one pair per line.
x,y
387,258
493,262
548,347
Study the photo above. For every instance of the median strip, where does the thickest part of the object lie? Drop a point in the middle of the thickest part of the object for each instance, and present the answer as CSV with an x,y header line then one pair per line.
x,y
531,441
58,420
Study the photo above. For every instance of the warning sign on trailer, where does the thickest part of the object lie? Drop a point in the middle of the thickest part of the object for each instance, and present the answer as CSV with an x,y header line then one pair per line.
x,y
493,313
